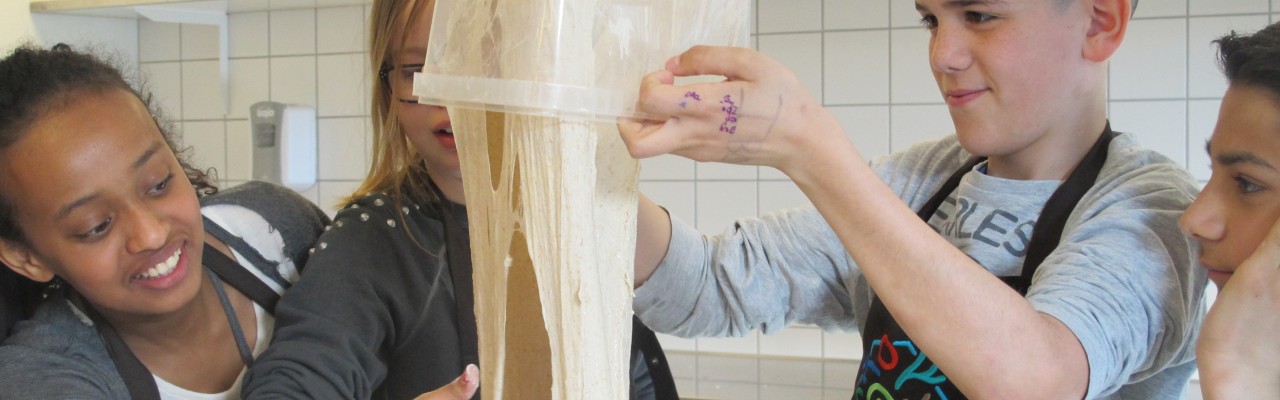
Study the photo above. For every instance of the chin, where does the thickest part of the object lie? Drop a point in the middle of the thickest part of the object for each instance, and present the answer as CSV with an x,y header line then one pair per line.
x,y
978,142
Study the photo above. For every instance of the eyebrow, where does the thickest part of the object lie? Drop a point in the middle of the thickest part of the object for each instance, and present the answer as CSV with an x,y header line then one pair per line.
x,y
146,156
417,51
1238,157
962,4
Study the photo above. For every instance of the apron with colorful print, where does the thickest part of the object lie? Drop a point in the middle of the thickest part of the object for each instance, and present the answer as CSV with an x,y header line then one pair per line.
x,y
892,366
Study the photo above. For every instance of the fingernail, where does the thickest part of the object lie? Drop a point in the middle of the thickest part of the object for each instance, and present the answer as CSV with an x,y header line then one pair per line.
x,y
471,371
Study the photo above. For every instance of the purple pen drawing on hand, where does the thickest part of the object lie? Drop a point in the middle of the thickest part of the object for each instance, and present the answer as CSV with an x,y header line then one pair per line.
x,y
689,95
730,124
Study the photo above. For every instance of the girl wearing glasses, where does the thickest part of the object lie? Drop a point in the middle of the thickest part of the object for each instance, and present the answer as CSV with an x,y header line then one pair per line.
x,y
386,310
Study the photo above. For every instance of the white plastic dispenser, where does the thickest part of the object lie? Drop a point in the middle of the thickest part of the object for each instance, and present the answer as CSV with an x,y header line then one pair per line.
x,y
284,144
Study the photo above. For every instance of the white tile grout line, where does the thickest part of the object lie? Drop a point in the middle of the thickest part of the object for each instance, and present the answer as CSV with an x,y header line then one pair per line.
x,y
315,48
1186,105
889,61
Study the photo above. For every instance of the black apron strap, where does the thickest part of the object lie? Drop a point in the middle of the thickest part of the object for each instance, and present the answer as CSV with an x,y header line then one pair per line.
x,y
250,253
137,378
1047,232
458,249
646,342
240,278
949,186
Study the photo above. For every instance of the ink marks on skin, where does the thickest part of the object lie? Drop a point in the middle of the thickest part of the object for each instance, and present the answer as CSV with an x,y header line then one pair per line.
x,y
743,148
684,102
730,124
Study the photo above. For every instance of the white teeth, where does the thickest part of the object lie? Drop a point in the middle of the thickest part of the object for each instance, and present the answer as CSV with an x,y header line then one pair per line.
x,y
162,269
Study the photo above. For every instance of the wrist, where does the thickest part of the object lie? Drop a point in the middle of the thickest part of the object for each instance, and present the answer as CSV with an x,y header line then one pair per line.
x,y
820,148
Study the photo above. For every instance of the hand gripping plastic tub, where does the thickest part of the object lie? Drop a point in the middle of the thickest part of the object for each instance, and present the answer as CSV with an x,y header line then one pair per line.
x,y
565,58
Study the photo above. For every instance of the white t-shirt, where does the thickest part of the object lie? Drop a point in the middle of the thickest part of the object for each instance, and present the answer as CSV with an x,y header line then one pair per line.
x,y
266,325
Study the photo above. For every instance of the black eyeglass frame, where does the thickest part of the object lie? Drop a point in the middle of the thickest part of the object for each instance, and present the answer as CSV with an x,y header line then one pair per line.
x,y
384,75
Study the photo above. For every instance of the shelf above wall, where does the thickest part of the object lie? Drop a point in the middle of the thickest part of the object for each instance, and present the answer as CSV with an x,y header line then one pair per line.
x,y
129,8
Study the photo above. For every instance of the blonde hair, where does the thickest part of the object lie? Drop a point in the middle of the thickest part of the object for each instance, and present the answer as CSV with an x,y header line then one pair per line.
x,y
396,166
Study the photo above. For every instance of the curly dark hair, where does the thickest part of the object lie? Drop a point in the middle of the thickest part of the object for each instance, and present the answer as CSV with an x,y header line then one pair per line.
x,y
34,82
1252,60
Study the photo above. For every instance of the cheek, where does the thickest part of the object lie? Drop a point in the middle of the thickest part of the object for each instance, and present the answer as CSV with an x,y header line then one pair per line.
x,y
184,208
1245,231
420,119
417,126
88,267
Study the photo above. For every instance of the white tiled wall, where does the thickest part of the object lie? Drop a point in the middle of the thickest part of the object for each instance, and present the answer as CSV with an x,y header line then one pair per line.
x,y
866,59
275,55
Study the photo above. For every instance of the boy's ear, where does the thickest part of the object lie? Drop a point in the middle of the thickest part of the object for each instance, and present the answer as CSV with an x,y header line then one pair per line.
x,y
18,258
1108,22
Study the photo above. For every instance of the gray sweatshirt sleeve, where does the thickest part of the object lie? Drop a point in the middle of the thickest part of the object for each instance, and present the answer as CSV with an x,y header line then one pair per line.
x,y
43,375
1123,281
787,267
762,273
56,356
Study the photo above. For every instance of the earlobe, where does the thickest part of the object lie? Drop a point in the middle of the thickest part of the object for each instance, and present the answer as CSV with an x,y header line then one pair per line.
x,y
1109,21
18,258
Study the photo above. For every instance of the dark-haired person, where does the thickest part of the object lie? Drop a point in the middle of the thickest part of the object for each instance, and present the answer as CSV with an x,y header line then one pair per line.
x,y
162,286
1235,221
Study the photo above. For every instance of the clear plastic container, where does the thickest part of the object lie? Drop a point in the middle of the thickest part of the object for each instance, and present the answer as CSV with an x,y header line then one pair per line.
x,y
574,59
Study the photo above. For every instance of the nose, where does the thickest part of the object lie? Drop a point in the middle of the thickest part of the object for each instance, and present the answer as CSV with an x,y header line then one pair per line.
x,y
148,231
1203,220
949,50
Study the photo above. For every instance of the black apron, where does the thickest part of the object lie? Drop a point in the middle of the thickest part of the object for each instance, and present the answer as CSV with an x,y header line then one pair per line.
x,y
892,366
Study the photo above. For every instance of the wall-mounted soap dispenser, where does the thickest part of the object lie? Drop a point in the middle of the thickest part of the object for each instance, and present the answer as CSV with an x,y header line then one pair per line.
x,y
284,144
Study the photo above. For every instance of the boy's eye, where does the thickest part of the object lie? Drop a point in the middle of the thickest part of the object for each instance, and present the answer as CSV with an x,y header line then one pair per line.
x,y
929,22
977,17
96,231
1246,186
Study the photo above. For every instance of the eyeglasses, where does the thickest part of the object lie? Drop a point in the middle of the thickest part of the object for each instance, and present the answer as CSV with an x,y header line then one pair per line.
x,y
401,81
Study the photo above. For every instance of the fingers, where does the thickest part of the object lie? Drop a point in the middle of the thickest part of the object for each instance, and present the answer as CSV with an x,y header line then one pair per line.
x,y
467,384
659,98
734,63
641,139
462,388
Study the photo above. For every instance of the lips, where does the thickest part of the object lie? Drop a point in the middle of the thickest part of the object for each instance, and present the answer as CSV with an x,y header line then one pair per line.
x,y
1216,273
444,134
1216,270
960,97
445,137
164,271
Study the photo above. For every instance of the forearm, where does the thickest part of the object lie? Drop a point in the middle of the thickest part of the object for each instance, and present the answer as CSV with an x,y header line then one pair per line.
x,y
315,356
330,329
653,236
987,337
1222,380
763,274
